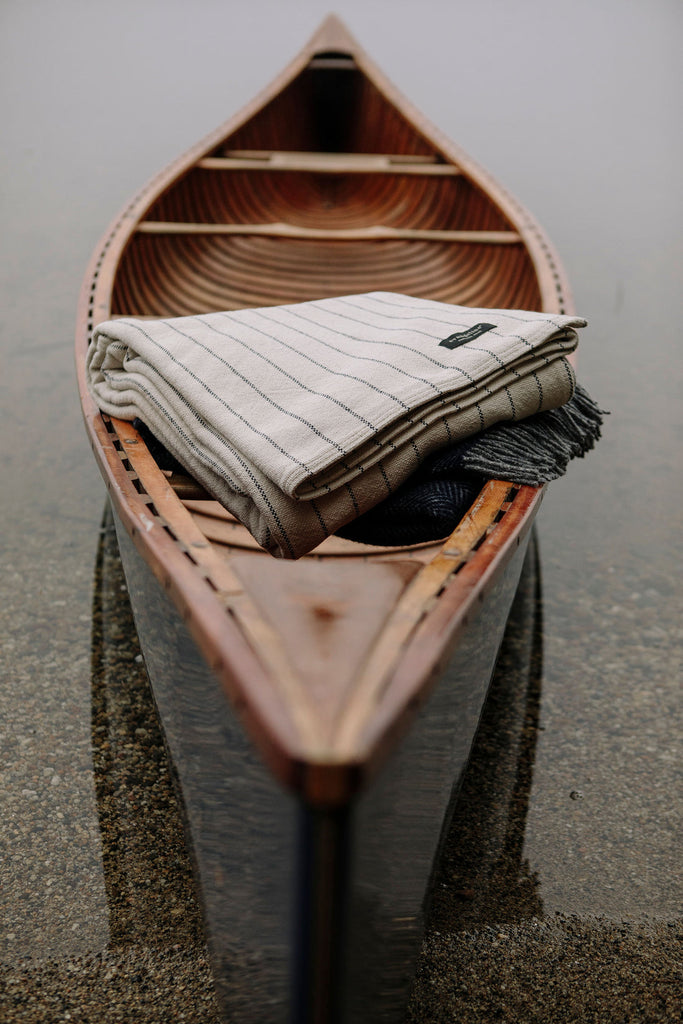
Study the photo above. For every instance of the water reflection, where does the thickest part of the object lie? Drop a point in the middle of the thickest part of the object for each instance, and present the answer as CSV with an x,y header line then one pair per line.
x,y
482,876
148,878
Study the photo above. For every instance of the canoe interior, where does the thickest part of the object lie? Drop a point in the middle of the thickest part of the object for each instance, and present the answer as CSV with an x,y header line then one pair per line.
x,y
330,108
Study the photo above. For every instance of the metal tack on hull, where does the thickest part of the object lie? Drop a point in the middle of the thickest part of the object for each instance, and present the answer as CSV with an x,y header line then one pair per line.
x,y
305,699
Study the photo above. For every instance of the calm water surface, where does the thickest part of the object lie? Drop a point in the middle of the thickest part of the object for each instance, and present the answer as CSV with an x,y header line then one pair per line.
x,y
577,111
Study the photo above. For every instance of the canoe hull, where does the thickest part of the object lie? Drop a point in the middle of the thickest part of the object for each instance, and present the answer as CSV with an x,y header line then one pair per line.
x,y
312,914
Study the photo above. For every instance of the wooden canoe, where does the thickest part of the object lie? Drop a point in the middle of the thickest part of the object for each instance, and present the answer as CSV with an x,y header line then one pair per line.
x,y
318,712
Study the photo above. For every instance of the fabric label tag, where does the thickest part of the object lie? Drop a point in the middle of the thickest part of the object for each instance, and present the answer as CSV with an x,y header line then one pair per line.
x,y
455,340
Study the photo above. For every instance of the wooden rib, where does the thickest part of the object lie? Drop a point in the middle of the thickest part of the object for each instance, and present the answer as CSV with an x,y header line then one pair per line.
x,y
177,275
342,200
327,163
376,232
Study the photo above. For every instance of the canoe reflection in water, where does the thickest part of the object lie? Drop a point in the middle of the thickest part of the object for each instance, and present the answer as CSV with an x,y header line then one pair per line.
x,y
436,839
148,877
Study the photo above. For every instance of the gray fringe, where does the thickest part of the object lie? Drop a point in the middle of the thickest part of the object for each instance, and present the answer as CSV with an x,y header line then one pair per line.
x,y
538,449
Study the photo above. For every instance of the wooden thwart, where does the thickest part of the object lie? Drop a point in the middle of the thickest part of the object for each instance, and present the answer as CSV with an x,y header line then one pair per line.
x,y
327,163
375,232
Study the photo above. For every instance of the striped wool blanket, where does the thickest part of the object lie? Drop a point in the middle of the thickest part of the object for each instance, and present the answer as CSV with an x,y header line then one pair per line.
x,y
300,418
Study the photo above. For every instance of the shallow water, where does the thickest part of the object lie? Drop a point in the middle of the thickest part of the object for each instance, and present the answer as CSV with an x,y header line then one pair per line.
x,y
578,112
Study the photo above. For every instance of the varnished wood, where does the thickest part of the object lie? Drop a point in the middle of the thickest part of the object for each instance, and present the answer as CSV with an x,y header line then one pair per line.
x,y
410,610
375,233
172,512
350,160
326,633
380,200
327,163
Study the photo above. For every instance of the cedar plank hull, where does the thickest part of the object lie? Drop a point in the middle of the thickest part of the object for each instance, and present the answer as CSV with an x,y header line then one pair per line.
x,y
303,698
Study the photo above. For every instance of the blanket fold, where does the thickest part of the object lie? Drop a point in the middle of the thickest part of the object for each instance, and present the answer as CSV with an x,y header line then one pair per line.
x,y
301,418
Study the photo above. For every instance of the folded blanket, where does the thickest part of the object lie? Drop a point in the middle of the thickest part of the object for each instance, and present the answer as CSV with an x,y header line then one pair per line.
x,y
300,418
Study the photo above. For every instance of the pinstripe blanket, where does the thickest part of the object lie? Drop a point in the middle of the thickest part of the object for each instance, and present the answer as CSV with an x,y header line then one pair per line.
x,y
300,418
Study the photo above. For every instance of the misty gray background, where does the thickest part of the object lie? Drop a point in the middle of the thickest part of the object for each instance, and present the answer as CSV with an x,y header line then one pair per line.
x,y
576,108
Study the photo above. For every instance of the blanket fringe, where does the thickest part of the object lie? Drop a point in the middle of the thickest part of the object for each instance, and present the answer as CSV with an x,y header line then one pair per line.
x,y
539,449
